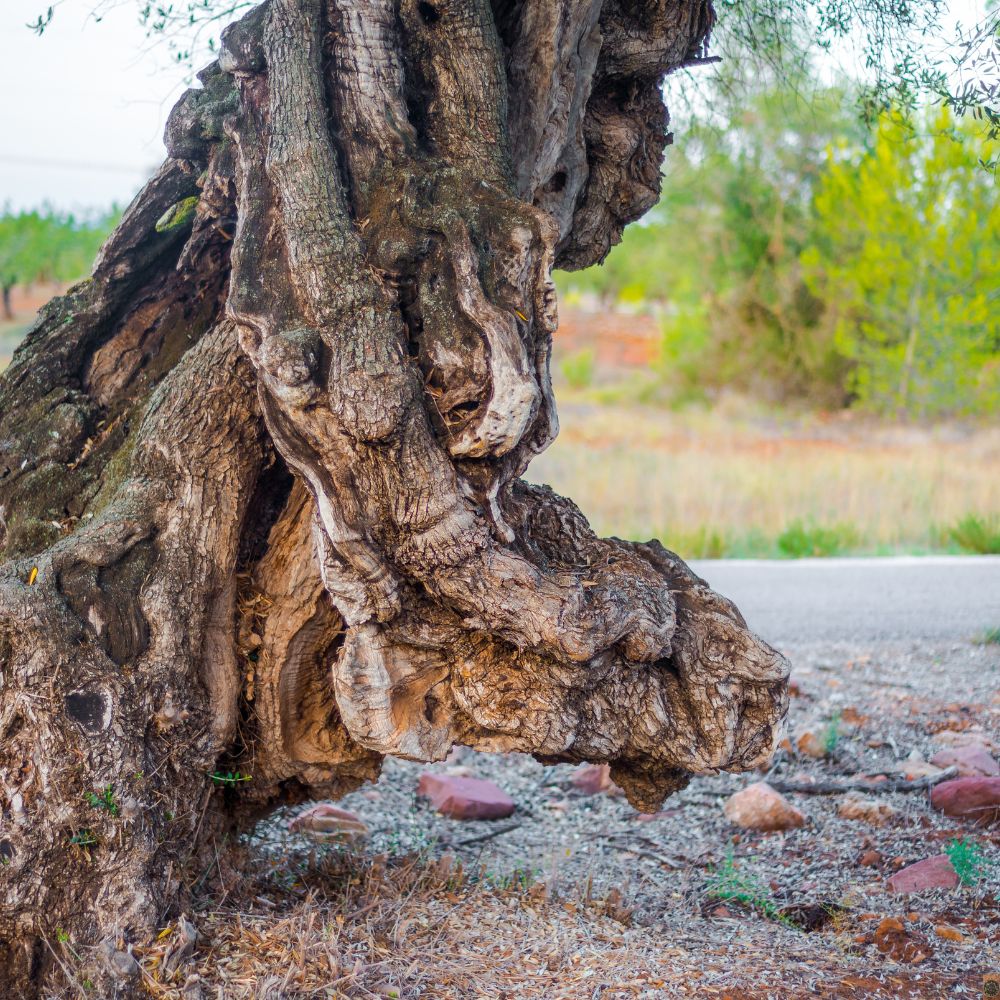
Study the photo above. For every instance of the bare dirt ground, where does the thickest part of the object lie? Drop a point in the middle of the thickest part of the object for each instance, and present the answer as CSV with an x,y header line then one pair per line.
x,y
578,896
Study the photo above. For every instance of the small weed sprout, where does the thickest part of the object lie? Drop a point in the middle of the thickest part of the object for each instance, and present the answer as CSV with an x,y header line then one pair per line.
x,y
831,734
989,636
104,799
969,861
230,779
63,938
730,885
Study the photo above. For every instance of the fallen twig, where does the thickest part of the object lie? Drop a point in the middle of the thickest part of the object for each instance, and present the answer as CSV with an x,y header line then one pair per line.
x,y
484,836
875,787
621,842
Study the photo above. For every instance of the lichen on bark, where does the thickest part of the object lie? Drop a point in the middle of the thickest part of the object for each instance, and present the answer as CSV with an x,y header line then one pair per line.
x,y
260,476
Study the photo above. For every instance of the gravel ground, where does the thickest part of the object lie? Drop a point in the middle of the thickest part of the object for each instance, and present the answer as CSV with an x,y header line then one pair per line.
x,y
891,699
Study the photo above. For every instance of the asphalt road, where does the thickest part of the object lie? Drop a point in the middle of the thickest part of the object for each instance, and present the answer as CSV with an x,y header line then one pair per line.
x,y
933,598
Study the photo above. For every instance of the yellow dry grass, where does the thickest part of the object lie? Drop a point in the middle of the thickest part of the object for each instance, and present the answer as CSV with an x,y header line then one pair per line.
x,y
355,926
361,926
684,477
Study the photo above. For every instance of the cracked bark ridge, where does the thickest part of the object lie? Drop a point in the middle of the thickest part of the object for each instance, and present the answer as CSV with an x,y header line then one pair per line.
x,y
259,475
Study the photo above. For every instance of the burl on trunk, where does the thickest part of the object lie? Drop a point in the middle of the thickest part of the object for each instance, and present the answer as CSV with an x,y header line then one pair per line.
x,y
259,474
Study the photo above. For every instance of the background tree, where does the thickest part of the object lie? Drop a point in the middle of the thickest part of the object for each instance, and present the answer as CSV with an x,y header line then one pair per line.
x,y
905,254
797,255
45,245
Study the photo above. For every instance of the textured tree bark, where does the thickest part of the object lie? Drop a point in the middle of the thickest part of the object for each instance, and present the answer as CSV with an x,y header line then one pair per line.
x,y
259,475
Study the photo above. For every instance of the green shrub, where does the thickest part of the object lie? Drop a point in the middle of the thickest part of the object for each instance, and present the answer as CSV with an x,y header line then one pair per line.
x,y
578,368
801,539
969,861
977,534
728,884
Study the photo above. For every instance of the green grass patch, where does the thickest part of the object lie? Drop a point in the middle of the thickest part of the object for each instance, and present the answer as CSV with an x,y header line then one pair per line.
x,y
969,861
728,883
802,539
977,534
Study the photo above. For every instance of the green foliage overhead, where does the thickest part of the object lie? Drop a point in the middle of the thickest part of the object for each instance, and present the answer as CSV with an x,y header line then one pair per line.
x,y
905,51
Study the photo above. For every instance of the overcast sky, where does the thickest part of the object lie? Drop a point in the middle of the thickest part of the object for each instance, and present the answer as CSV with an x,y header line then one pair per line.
x,y
82,107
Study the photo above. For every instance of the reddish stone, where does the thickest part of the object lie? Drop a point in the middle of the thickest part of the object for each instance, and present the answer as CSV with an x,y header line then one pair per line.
x,y
900,944
465,798
760,807
915,767
971,798
870,859
972,760
592,779
867,810
931,873
327,823
949,933
813,743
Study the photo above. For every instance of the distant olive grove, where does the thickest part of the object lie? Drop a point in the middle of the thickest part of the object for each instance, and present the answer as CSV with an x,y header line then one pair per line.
x,y
46,245
799,255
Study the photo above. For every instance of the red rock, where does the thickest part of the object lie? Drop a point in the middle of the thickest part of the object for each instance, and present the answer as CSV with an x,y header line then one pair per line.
x,y
465,798
870,859
975,735
813,743
760,807
972,760
931,873
592,779
795,688
649,817
915,767
328,824
868,810
971,798
949,933
900,944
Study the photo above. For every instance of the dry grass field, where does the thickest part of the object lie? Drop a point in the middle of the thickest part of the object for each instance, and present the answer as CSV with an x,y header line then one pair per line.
x,y
735,481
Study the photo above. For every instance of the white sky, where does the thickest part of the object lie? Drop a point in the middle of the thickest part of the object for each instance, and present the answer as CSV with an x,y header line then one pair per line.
x,y
82,107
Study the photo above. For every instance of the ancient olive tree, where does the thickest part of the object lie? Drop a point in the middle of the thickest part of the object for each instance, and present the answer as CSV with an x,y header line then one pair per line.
x,y
259,474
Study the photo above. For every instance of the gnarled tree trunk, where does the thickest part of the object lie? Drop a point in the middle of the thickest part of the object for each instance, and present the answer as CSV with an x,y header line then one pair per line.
x,y
259,475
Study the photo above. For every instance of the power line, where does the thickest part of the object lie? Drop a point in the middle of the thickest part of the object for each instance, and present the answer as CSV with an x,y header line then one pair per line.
x,y
38,161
